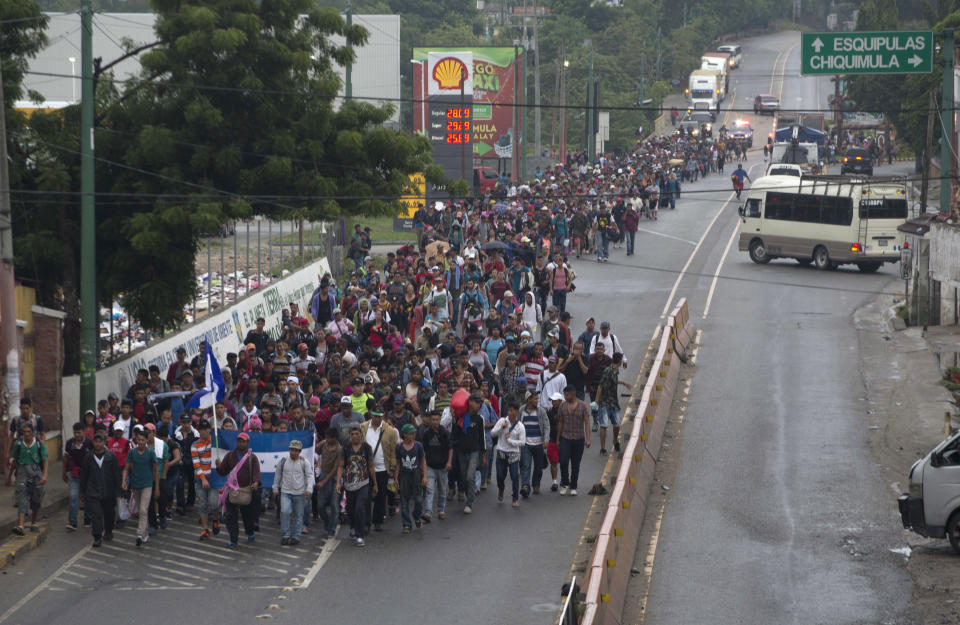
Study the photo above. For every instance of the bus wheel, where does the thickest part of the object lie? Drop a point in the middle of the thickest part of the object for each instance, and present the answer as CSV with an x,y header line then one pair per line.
x,y
758,252
869,267
821,258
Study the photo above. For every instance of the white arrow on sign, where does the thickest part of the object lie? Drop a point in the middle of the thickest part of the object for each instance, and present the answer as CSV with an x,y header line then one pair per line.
x,y
817,44
915,60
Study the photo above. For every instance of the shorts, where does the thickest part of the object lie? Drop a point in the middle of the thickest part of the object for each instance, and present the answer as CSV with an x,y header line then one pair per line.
x,y
29,494
608,416
553,454
208,499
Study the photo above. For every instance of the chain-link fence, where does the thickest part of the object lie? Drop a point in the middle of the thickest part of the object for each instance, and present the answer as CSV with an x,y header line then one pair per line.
x,y
241,258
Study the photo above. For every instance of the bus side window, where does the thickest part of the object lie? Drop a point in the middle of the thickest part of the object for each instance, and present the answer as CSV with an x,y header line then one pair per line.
x,y
752,208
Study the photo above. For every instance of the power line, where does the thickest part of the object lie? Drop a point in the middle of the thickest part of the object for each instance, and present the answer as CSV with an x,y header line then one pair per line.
x,y
377,99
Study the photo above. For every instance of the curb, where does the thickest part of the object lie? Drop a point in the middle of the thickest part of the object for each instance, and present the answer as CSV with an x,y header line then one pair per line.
x,y
48,509
17,546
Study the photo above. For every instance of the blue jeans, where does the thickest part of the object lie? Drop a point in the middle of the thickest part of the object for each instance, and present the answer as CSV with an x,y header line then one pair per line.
x,y
469,463
603,245
74,509
533,460
291,515
436,486
328,497
631,239
514,468
415,501
560,299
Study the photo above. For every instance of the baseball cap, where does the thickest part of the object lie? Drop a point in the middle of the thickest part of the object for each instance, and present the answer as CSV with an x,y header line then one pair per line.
x,y
397,399
244,436
556,396
296,444
408,429
525,333
151,427
203,425
531,394
552,359
355,427
346,400
292,378
604,324
301,346
117,425
185,418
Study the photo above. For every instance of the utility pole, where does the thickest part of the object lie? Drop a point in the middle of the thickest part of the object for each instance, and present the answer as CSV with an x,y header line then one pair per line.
x,y
88,224
659,53
8,307
564,64
348,70
515,147
946,136
591,131
536,80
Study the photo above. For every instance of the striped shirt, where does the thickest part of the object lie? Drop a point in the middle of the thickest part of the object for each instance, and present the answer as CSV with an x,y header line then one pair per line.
x,y
441,403
532,369
202,453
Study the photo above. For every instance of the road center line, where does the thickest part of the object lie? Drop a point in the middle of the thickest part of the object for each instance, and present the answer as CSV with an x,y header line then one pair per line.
x,y
686,265
43,585
716,274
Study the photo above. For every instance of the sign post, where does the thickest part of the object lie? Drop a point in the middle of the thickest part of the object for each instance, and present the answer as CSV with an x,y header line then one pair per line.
x,y
877,52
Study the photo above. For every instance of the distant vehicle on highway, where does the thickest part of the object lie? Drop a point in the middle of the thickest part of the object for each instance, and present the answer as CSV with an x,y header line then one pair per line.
x,y
931,507
766,103
695,122
856,161
485,179
742,130
784,169
735,52
826,220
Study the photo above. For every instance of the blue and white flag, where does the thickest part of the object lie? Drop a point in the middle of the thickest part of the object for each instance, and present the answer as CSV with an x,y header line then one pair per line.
x,y
269,448
214,385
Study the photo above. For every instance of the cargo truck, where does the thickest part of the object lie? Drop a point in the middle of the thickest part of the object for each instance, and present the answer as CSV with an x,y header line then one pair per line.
x,y
705,87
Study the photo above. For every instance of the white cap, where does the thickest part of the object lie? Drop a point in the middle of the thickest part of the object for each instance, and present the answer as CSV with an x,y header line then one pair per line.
x,y
346,400
117,425
557,396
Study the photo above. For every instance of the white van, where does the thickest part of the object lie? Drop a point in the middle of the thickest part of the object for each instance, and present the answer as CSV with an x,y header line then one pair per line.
x,y
932,507
826,220
735,52
717,61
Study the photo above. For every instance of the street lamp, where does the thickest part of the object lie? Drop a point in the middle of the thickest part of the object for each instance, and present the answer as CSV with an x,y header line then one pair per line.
x,y
73,77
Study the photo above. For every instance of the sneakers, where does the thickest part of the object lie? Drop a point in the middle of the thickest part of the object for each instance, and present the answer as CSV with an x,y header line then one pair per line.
x,y
97,542
595,427
205,535
305,529
441,515
139,541
554,486
251,538
524,491
417,523
216,528
284,541
294,542
108,535
71,527
151,531
616,446
360,542
231,545
500,495
564,491
406,529
426,518
467,510
573,492
516,504
603,452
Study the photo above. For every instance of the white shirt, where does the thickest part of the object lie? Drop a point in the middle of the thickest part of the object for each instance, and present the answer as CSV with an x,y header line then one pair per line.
x,y
547,384
379,464
610,343
509,440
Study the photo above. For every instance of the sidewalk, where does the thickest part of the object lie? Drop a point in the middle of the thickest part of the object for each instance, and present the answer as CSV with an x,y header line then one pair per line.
x,y
908,411
57,496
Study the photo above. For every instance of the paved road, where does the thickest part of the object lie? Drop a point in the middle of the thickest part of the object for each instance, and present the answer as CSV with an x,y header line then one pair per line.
x,y
777,514
505,566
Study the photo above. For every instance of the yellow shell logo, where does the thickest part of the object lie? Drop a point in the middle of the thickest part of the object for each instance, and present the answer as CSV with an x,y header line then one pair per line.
x,y
450,73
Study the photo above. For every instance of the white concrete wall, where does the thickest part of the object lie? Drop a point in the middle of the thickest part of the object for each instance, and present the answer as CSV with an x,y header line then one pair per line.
x,y
945,253
225,331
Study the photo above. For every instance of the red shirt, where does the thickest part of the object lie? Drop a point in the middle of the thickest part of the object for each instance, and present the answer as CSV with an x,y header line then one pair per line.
x,y
119,447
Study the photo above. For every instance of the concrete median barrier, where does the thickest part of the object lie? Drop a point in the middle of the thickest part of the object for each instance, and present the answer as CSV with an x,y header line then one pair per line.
x,y
608,570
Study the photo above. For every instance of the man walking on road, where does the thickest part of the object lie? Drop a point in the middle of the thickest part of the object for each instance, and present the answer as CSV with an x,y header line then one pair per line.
x,y
243,469
573,425
606,398
292,487
533,453
737,176
99,488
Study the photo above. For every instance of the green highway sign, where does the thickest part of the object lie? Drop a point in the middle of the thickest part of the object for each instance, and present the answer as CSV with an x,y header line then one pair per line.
x,y
890,52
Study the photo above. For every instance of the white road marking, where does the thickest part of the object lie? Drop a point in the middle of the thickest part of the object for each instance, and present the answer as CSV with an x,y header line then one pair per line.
x,y
686,265
667,236
325,553
43,585
716,274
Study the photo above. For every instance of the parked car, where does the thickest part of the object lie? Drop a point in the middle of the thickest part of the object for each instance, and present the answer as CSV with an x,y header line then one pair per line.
x,y
485,179
932,507
856,161
766,103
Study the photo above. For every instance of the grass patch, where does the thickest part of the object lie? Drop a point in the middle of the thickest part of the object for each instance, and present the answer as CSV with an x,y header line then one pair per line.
x,y
381,229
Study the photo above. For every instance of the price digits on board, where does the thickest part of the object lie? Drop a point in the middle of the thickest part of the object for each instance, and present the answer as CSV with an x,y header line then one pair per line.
x,y
458,125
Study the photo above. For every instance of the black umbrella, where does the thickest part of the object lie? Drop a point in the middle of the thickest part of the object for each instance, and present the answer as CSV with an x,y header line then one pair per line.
x,y
491,246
